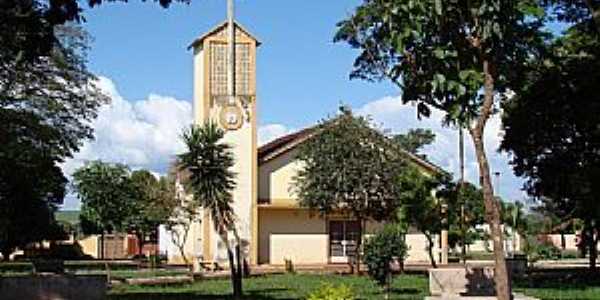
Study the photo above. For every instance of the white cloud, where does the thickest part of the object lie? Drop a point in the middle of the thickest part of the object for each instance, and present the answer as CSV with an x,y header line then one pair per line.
x,y
390,113
269,132
142,134
146,134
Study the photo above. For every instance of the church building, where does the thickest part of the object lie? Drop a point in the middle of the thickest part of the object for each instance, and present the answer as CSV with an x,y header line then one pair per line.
x,y
272,225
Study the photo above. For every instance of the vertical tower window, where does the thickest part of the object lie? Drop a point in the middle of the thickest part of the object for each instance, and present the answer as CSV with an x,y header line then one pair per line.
x,y
218,68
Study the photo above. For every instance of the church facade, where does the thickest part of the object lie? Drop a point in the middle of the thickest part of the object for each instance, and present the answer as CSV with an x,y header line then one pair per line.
x,y
272,225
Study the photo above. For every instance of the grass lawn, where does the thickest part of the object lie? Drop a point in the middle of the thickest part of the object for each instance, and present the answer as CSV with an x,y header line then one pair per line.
x,y
287,286
125,274
561,284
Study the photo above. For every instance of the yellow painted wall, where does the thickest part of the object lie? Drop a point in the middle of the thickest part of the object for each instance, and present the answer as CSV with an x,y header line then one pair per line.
x,y
291,234
275,178
89,245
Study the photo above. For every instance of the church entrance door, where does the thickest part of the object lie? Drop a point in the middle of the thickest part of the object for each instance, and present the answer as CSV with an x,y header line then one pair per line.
x,y
342,240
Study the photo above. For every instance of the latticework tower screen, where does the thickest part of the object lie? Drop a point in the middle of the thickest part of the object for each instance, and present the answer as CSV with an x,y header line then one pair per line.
x,y
218,69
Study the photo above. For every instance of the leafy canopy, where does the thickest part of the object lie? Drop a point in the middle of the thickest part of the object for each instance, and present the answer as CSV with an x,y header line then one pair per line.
x,y
557,148
434,50
415,139
382,250
208,162
107,196
153,203
349,167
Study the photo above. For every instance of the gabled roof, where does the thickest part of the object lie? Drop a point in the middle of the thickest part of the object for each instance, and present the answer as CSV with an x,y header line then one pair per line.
x,y
288,142
215,29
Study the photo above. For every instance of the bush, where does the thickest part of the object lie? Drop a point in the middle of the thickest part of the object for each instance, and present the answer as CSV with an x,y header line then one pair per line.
x,y
68,252
332,292
16,267
382,250
541,250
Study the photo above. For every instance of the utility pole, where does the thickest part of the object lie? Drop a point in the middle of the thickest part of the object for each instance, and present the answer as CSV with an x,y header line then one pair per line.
x,y
231,54
461,158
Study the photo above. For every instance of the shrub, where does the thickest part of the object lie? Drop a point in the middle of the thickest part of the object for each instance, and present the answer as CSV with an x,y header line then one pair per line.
x,y
67,252
538,250
16,267
332,292
382,250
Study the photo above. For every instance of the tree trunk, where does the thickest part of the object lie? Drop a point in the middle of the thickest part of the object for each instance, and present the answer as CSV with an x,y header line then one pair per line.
x,y
238,256
591,243
595,12
140,242
233,269
430,249
102,245
492,206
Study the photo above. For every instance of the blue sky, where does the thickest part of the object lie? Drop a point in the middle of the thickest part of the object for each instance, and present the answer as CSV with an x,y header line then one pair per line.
x,y
140,53
302,74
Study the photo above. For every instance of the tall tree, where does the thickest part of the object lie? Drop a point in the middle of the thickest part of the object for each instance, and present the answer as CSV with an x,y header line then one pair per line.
x,y
557,148
584,12
455,56
31,187
29,26
154,202
349,168
47,102
465,212
107,197
420,206
209,161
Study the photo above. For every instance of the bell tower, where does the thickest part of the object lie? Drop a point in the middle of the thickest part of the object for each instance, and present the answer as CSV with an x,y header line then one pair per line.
x,y
225,93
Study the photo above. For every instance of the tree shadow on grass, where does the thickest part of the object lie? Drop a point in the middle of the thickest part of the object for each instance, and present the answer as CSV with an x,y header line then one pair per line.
x,y
263,294
559,279
405,291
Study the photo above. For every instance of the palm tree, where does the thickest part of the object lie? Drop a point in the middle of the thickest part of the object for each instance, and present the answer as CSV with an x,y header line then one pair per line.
x,y
208,162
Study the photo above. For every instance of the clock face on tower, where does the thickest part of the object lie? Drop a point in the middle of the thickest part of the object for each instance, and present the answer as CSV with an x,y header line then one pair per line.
x,y
231,117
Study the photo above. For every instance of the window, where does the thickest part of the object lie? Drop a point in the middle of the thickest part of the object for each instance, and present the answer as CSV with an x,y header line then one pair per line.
x,y
218,69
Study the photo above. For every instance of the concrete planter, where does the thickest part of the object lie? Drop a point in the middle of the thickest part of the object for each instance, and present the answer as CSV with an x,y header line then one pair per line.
x,y
56,266
517,265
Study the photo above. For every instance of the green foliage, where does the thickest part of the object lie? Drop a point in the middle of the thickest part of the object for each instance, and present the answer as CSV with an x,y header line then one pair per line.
x,y
582,12
349,167
540,250
418,205
107,196
513,215
47,102
208,162
383,249
332,292
415,139
465,212
154,203
455,56
556,148
435,50
29,28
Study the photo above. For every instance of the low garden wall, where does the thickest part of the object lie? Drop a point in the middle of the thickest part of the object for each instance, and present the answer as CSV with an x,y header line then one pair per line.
x,y
53,287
